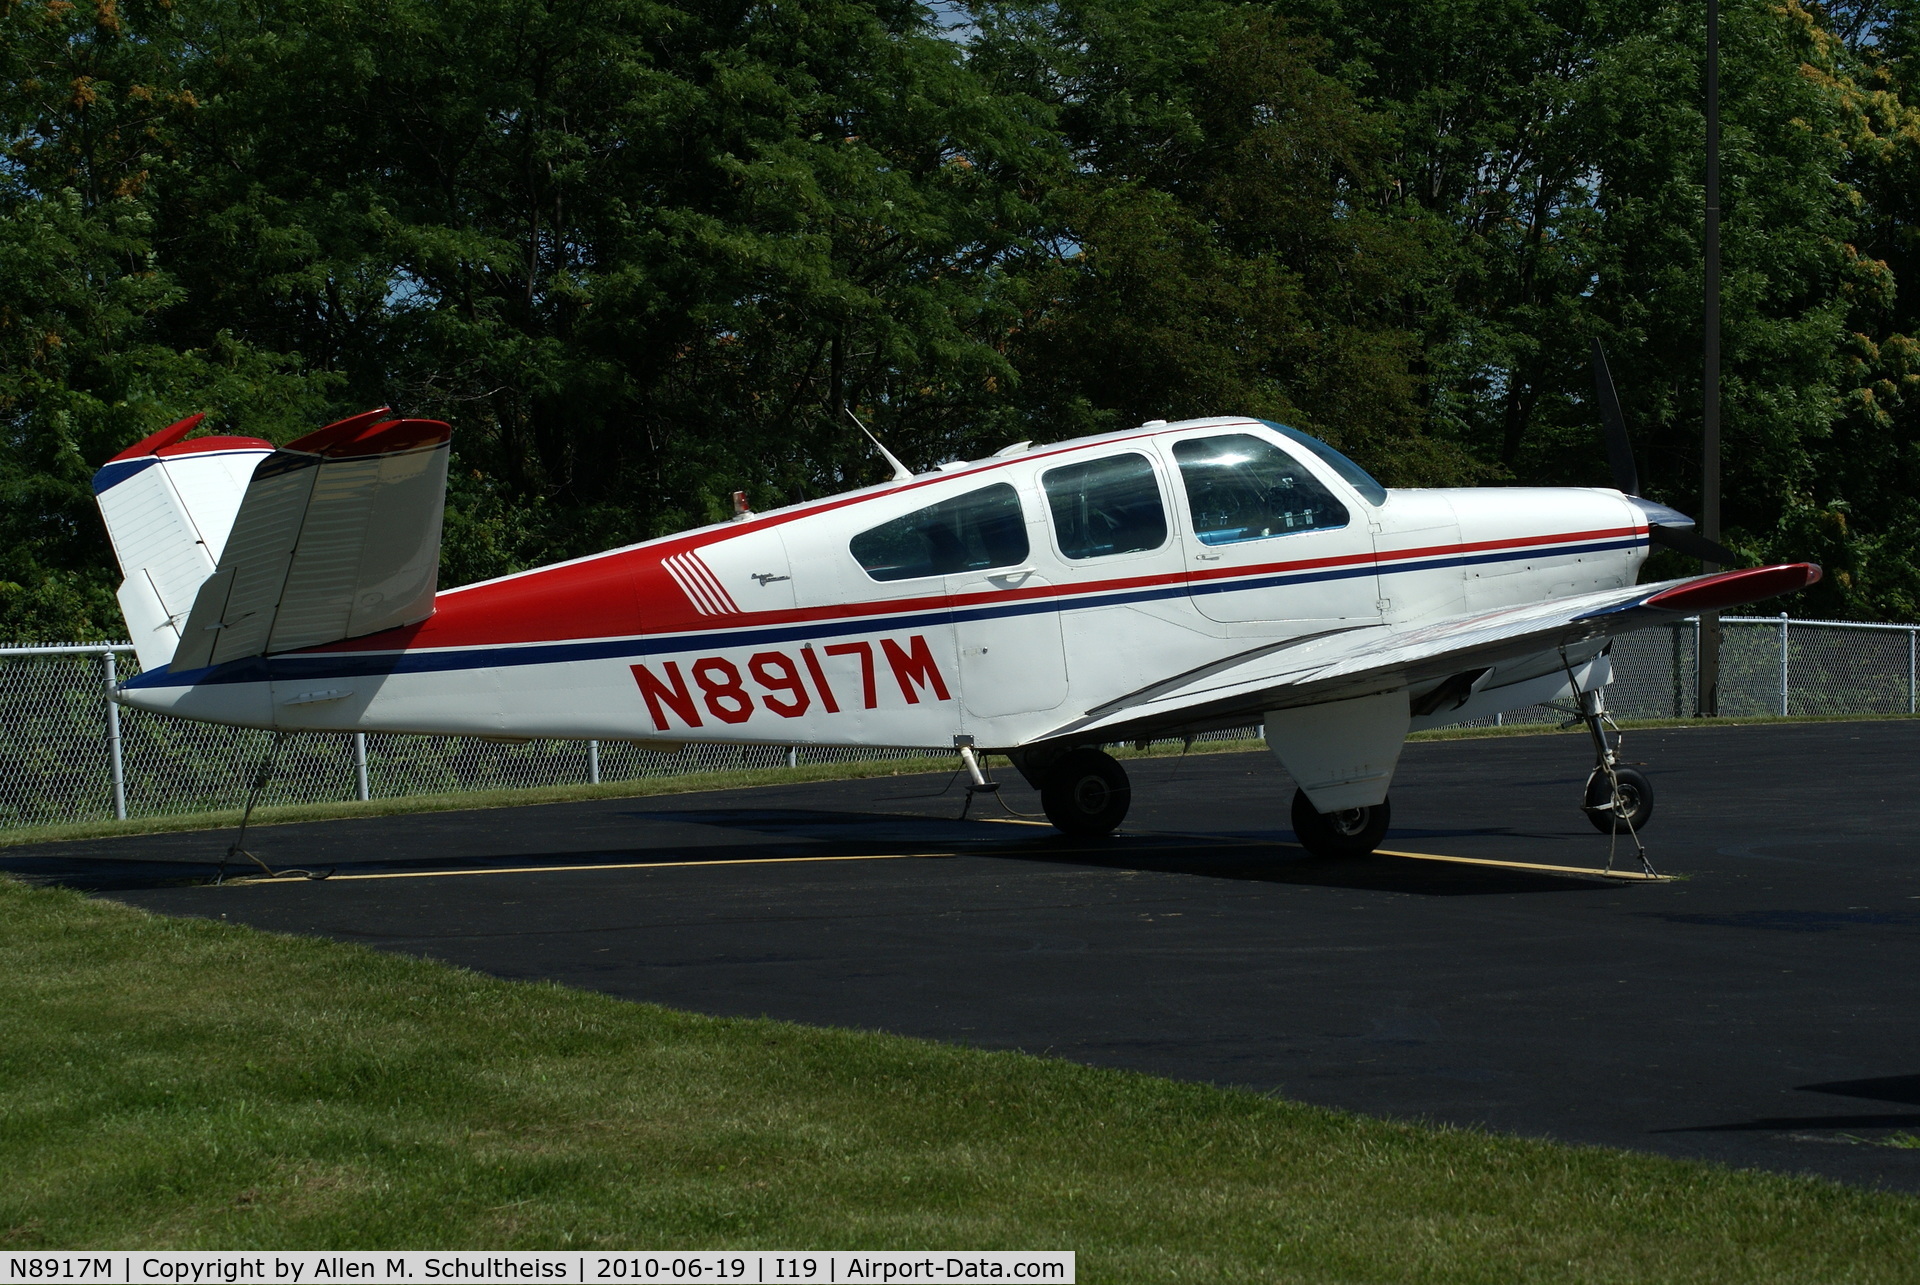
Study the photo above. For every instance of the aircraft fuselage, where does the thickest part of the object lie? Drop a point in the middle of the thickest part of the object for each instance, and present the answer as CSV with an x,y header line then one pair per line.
x,y
994,600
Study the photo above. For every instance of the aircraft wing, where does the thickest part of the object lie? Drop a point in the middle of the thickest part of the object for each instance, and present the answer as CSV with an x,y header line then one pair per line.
x,y
338,535
1345,663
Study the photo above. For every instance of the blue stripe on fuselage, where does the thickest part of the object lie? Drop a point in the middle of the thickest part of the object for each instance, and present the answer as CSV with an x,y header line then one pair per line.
x,y
292,668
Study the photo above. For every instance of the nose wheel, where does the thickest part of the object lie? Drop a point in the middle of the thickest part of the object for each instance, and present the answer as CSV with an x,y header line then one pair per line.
x,y
1350,832
1623,805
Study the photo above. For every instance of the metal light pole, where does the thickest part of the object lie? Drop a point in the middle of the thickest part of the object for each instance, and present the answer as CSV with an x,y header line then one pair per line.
x,y
1709,695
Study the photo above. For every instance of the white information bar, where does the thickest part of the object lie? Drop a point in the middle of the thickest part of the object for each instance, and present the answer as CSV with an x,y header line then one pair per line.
x,y
500,1267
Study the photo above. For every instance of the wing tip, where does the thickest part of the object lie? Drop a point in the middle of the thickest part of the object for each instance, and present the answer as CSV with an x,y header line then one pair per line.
x,y
321,440
371,433
154,443
1736,588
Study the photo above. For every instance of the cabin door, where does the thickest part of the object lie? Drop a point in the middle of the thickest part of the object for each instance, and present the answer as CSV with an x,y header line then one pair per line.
x,y
1268,539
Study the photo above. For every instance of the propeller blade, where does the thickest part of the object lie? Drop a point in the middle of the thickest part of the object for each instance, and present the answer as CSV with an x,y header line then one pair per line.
x,y
1626,478
1694,545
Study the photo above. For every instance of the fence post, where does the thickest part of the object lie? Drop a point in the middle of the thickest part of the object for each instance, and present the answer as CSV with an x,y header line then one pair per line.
x,y
1679,678
1911,692
593,762
118,767
1698,713
1783,664
360,766
793,756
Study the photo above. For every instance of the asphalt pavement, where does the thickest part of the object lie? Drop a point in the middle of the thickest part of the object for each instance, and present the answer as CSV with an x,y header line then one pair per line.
x,y
1758,1010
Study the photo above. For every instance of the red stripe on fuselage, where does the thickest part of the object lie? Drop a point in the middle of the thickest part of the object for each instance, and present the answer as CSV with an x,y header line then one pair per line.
x,y
630,593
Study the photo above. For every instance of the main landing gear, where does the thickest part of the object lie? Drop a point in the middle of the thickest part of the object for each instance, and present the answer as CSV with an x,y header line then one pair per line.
x,y
1083,791
1350,832
1086,792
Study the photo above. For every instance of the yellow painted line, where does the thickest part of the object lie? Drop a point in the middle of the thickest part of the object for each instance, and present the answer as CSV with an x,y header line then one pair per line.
x,y
671,865
1526,865
623,865
1584,871
1587,871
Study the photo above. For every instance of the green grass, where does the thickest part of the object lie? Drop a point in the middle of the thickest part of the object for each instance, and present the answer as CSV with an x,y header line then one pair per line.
x,y
185,1083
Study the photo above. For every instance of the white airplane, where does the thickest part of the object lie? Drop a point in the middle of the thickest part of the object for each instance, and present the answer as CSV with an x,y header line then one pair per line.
x,y
1158,582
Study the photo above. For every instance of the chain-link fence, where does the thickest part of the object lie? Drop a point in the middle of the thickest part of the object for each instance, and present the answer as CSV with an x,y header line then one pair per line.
x,y
1769,667
69,754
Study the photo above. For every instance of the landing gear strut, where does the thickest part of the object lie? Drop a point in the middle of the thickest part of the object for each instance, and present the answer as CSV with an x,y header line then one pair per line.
x,y
1617,800
1351,832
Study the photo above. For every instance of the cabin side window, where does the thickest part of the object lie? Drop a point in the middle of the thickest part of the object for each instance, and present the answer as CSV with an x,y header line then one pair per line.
x,y
1106,506
1243,488
971,532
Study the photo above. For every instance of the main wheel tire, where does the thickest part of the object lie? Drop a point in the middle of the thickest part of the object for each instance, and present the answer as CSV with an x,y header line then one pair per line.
x,y
1354,832
1086,793
1635,804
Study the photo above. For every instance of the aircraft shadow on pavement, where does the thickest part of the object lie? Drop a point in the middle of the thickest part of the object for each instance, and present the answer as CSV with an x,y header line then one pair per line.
x,y
799,833
1289,865
1258,858
110,874
1901,1089
1775,1124
1886,1088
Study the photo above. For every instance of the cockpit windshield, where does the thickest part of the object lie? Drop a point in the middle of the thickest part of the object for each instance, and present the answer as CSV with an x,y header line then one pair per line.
x,y
1355,476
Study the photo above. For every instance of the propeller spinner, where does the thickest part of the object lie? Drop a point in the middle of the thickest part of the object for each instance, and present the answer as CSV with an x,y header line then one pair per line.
x,y
1666,526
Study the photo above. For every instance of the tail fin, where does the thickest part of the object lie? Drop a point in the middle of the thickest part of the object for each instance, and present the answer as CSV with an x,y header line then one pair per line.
x,y
169,505
337,536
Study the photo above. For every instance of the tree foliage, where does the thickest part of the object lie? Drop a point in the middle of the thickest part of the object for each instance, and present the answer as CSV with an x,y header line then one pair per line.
x,y
640,254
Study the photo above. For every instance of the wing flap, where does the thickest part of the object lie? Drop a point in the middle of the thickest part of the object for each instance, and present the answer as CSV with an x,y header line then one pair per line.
x,y
1353,663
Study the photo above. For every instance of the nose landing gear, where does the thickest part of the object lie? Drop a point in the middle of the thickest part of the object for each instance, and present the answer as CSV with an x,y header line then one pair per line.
x,y
1617,800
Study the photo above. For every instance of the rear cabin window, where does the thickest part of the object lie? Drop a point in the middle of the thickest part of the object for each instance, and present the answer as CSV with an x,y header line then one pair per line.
x,y
971,532
1106,506
1242,488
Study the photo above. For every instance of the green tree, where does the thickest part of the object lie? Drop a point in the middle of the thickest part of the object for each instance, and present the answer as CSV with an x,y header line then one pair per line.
x,y
1865,516
638,255
85,116
1564,147
1224,243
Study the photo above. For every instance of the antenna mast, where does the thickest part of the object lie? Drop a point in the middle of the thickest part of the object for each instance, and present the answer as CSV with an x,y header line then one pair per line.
x,y
901,473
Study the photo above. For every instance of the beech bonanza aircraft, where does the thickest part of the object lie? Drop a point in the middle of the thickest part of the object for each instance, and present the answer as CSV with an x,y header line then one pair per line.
x,y
1158,582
